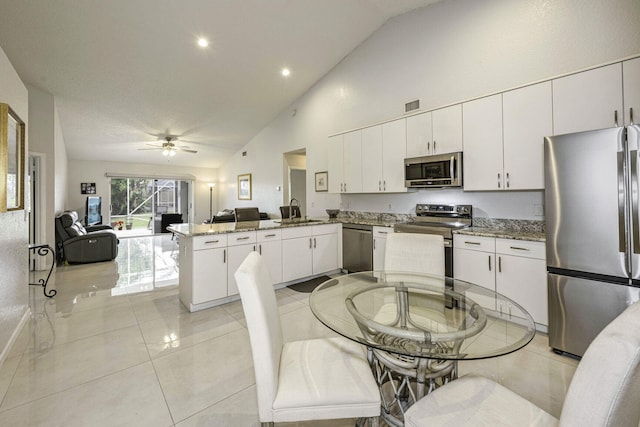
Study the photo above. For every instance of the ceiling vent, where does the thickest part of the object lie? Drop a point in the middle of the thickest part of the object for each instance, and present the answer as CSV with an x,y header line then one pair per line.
x,y
412,106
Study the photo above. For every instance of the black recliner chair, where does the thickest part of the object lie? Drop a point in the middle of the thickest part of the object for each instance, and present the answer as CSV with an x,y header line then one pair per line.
x,y
79,244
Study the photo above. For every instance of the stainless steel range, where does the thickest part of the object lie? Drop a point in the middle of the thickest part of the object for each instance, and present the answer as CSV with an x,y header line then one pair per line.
x,y
441,220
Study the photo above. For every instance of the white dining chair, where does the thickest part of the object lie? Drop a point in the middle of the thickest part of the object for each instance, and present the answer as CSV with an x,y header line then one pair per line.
x,y
314,379
604,391
414,253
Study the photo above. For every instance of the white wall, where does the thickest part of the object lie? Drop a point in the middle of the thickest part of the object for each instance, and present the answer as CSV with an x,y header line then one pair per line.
x,y
94,171
61,165
14,231
445,53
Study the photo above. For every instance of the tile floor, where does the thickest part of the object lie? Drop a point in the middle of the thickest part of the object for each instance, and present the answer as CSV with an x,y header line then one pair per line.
x,y
116,348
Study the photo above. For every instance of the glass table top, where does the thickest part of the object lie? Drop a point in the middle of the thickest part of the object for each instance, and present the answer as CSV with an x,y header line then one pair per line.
x,y
421,315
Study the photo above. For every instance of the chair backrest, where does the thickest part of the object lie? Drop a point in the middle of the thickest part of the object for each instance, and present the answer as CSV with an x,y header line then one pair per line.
x,y
605,388
68,225
247,214
414,253
265,332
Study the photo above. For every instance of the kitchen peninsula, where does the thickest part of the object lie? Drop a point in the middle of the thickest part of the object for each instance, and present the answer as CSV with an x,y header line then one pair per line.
x,y
209,255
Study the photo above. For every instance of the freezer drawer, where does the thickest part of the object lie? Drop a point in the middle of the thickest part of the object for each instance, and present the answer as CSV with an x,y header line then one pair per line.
x,y
580,308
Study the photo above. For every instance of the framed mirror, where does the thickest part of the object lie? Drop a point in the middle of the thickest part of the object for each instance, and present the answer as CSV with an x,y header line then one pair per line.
x,y
12,131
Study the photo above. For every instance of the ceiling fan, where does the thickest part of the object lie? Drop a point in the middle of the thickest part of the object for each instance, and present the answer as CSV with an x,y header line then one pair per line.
x,y
169,148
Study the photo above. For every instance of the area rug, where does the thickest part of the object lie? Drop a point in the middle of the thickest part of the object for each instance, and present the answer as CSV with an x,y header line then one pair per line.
x,y
309,285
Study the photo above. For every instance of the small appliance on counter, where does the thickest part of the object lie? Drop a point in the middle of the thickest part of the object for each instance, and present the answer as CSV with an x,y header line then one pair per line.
x,y
333,213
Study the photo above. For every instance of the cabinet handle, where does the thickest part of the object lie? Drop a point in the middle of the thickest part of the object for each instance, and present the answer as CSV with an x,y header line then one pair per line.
x,y
374,244
224,256
507,179
517,248
208,242
434,146
384,185
345,187
314,243
310,243
631,115
615,117
269,235
428,147
259,249
499,264
243,238
379,185
471,243
498,179
489,262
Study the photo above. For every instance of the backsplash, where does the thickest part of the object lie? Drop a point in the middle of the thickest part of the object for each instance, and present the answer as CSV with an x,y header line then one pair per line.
x,y
520,225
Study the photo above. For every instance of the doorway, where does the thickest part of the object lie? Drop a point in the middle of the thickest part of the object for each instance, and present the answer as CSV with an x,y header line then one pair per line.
x,y
295,179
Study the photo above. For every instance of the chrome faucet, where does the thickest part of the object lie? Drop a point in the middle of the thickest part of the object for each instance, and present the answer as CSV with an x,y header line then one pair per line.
x,y
291,207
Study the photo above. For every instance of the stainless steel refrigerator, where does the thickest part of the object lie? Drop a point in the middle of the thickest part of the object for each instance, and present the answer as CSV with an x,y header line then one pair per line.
x,y
592,230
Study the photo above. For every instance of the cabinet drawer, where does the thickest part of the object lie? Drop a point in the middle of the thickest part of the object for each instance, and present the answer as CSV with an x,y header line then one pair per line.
x,y
382,231
474,243
295,232
325,229
268,235
522,248
242,238
208,242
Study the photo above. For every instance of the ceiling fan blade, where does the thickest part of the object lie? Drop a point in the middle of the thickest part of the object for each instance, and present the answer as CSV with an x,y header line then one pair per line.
x,y
188,151
155,148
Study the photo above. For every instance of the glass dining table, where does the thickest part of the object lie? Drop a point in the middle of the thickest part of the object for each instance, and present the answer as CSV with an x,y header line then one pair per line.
x,y
417,327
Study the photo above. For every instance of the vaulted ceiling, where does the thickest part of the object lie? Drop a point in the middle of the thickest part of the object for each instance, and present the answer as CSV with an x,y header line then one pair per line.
x,y
126,73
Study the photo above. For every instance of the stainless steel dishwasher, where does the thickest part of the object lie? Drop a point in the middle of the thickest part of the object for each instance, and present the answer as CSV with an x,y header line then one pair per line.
x,y
357,247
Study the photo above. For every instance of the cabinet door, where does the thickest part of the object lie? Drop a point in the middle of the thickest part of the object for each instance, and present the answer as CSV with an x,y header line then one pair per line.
x,y
372,159
482,128
478,268
631,89
524,280
379,245
394,151
209,275
588,100
352,162
271,251
237,255
447,129
527,119
297,258
335,163
325,253
419,135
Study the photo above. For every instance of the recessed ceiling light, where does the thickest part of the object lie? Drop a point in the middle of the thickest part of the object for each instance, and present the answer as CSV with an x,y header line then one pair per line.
x,y
285,72
202,42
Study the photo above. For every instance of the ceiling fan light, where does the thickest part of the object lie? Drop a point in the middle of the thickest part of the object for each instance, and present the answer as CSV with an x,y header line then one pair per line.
x,y
165,152
172,152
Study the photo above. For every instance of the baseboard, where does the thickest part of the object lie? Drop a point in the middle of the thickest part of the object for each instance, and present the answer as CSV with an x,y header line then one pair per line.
x,y
14,336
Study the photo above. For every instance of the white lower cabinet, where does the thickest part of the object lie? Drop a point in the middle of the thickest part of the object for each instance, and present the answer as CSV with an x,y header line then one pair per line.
x,y
513,268
307,251
203,269
270,247
379,245
239,246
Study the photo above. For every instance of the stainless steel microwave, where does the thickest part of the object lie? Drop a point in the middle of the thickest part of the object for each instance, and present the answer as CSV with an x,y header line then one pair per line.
x,y
441,170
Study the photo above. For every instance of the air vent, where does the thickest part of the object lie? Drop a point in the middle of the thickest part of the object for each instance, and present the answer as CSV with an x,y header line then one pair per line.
x,y
412,106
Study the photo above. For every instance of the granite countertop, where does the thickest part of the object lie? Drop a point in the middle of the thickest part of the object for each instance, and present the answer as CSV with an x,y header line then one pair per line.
x,y
190,230
535,236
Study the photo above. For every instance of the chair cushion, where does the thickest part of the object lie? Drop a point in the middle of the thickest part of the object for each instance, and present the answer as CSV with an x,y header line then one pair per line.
x,y
325,379
476,401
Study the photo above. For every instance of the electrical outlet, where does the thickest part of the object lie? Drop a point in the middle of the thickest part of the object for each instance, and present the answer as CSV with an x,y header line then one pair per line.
x,y
313,204
538,210
389,206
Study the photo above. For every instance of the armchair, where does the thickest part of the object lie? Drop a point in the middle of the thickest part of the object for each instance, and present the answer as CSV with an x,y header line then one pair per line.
x,y
79,244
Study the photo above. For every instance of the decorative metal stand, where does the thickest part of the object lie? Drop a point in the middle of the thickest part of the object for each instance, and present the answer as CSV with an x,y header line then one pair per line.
x,y
44,250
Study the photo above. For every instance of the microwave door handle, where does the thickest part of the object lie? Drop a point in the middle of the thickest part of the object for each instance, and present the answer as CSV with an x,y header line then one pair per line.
x,y
452,167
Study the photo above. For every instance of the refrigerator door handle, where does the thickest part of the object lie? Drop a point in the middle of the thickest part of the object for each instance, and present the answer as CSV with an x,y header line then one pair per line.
x,y
634,201
622,245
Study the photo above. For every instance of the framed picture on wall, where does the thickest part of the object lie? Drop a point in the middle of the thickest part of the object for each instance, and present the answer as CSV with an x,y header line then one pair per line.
x,y
322,181
88,188
11,160
244,187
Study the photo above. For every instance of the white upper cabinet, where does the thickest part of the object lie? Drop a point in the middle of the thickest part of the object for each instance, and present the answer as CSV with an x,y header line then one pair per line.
x,y
345,162
394,143
447,129
527,119
631,89
372,159
335,162
588,100
419,135
482,128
